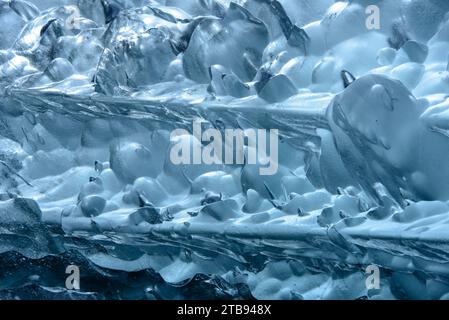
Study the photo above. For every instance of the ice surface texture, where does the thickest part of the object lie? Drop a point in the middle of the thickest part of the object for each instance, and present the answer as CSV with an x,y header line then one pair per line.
x,y
91,89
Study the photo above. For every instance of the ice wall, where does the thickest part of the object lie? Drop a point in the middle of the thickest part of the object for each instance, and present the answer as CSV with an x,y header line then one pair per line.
x,y
90,91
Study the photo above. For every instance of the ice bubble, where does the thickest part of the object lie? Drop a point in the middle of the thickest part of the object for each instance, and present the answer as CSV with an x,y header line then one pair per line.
x,y
14,68
218,182
328,217
130,161
388,130
135,45
174,70
276,89
214,38
94,186
184,171
92,205
299,70
253,201
324,72
386,56
379,115
131,196
342,16
151,190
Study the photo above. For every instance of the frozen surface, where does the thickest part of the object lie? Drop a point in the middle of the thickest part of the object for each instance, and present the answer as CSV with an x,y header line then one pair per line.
x,y
90,91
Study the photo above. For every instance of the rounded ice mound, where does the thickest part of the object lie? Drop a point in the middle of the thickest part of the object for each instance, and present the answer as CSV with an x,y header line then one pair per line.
x,y
92,205
218,182
226,42
131,161
137,41
150,190
381,139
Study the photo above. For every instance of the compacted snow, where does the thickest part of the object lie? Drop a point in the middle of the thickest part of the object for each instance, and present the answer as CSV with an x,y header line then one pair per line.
x,y
91,91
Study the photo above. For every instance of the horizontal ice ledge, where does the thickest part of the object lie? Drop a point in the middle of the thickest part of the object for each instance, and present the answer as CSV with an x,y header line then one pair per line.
x,y
302,109
372,242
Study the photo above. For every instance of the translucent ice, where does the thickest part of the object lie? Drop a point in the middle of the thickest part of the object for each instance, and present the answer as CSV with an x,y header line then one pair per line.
x,y
214,38
92,90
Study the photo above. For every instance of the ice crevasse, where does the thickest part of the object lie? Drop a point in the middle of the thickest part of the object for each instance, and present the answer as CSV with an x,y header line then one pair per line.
x,y
90,91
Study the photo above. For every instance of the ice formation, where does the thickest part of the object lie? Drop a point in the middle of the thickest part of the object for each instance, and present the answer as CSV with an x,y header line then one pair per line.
x,y
90,91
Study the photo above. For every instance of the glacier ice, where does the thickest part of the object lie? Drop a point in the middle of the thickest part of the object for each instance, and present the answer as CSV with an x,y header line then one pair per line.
x,y
91,90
